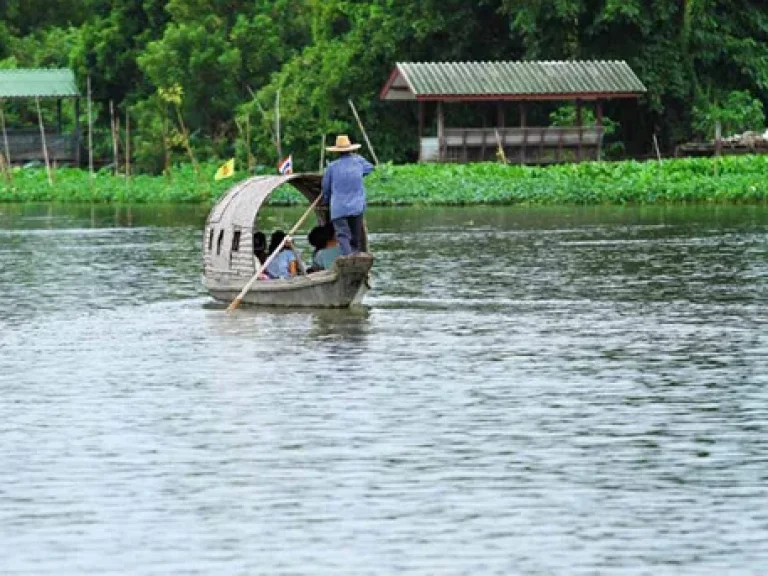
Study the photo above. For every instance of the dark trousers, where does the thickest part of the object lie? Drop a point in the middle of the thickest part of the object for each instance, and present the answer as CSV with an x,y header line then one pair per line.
x,y
349,233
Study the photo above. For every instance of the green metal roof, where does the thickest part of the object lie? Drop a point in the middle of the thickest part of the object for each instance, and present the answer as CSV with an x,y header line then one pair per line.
x,y
511,80
41,83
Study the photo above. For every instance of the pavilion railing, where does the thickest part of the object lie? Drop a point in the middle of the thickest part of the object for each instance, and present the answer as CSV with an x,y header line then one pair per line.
x,y
531,145
26,145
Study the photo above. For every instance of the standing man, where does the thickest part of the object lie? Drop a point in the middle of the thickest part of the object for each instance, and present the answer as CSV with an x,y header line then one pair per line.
x,y
343,189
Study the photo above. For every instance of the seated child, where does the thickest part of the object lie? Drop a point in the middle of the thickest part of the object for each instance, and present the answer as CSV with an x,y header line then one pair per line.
x,y
323,258
285,264
317,238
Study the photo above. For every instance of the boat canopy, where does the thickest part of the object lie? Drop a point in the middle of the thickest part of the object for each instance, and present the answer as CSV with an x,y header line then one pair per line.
x,y
228,240
240,205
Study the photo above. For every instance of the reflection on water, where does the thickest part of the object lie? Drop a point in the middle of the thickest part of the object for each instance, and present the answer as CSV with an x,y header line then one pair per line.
x,y
555,390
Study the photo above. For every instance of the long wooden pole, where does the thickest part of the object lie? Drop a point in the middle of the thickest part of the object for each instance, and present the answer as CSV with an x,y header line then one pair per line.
x,y
277,128
365,134
5,143
249,154
45,146
114,135
127,147
90,130
656,147
237,301
263,115
322,154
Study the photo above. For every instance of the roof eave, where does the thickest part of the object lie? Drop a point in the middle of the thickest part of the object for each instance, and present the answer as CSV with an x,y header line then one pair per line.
x,y
526,97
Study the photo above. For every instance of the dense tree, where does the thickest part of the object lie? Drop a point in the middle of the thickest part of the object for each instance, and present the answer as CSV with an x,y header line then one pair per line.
x,y
698,58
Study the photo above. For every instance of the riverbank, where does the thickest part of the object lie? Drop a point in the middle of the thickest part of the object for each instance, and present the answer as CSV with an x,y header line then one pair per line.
x,y
727,179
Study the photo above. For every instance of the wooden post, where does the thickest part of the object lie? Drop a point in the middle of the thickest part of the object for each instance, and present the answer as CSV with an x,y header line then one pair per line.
x,y
559,153
90,131
58,115
500,119
464,158
115,159
440,132
524,126
45,146
421,127
580,122
5,142
599,122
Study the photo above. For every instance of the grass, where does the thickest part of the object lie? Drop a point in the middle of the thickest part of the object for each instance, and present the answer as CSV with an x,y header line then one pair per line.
x,y
732,179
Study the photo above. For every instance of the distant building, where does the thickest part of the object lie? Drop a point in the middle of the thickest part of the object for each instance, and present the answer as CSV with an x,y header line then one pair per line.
x,y
25,144
521,82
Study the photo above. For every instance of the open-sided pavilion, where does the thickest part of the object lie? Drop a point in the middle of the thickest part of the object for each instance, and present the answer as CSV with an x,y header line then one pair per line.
x,y
522,82
25,144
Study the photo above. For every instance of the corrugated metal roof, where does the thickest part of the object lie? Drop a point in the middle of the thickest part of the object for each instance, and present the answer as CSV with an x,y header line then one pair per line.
x,y
42,83
426,80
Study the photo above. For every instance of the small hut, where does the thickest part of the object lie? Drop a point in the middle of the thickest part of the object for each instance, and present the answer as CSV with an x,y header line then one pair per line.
x,y
523,83
25,144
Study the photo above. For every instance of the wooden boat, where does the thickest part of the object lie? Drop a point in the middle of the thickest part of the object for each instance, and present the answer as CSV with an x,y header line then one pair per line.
x,y
229,263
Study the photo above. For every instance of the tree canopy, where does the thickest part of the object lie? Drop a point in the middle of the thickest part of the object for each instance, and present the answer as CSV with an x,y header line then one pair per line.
x,y
229,60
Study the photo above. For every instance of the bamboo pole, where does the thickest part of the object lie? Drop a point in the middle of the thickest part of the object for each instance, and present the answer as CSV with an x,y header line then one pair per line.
x,y
187,145
45,146
5,143
115,159
322,154
90,131
237,301
127,147
277,128
718,144
4,167
656,147
264,116
365,134
249,155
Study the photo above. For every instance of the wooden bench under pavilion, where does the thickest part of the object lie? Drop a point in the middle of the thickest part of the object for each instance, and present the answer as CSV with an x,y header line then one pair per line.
x,y
522,82
25,144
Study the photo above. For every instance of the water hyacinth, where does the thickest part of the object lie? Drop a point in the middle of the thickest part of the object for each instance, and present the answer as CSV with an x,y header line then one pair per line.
x,y
726,179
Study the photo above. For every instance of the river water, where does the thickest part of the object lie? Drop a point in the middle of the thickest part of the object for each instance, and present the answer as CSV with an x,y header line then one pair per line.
x,y
528,391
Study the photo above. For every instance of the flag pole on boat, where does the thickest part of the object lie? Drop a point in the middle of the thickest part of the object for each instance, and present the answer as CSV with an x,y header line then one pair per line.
x,y
237,301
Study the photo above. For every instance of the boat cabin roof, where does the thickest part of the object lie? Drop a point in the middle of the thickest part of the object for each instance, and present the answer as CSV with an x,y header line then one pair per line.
x,y
241,203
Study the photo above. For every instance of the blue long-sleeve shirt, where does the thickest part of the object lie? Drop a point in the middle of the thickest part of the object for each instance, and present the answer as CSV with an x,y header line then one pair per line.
x,y
343,185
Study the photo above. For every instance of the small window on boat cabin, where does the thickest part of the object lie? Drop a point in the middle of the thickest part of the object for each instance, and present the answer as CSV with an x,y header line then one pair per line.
x,y
219,242
236,241
210,240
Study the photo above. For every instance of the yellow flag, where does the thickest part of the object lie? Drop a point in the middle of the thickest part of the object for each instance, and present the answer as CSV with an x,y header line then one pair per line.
x,y
226,170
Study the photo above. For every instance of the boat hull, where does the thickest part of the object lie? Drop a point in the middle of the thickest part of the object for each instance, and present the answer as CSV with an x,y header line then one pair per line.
x,y
342,286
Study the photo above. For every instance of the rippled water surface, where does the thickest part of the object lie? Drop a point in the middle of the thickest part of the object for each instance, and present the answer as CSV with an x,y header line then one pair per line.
x,y
529,391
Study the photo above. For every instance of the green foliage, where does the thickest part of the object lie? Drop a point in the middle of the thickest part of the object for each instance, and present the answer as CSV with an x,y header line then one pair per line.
x,y
737,113
739,179
568,116
320,53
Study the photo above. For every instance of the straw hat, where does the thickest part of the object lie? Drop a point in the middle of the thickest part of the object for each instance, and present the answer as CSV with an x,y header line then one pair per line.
x,y
343,144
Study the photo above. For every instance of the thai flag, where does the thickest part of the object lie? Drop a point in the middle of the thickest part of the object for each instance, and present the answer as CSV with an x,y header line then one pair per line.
x,y
286,166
